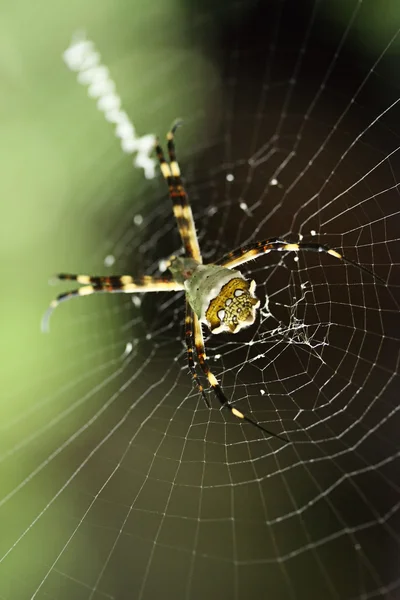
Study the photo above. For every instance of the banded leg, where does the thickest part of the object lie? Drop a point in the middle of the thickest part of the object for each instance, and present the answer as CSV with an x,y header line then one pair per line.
x,y
251,251
189,346
225,403
175,170
124,284
180,201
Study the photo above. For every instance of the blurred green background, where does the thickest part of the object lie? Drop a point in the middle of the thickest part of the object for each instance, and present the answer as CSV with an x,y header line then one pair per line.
x,y
58,152
68,193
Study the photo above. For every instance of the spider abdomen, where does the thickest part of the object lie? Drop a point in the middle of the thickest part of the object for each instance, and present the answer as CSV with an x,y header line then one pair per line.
x,y
222,298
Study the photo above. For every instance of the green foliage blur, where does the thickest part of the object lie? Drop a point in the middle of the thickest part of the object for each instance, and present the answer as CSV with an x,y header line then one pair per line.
x,y
57,151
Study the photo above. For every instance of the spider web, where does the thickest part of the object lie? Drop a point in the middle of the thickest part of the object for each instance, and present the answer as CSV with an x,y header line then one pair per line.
x,y
118,481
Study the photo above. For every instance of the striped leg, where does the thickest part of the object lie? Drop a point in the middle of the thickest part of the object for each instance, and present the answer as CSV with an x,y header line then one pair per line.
x,y
124,284
179,197
251,251
201,354
189,346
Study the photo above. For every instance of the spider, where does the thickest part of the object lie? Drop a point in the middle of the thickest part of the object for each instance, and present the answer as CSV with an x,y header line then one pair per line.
x,y
216,294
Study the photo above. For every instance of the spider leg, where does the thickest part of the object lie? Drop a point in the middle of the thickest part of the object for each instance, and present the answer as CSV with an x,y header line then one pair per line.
x,y
189,346
251,251
124,284
201,354
171,151
180,201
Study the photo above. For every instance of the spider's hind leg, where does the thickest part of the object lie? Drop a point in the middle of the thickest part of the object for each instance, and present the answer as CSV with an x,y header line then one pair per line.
x,y
225,403
189,346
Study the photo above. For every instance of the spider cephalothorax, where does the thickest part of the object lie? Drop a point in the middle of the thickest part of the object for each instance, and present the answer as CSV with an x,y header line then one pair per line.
x,y
216,294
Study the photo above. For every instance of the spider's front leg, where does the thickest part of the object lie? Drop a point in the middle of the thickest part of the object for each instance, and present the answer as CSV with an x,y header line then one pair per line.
x,y
113,284
180,201
244,254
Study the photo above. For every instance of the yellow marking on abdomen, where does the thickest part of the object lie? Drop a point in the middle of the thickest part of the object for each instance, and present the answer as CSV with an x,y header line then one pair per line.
x,y
291,247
